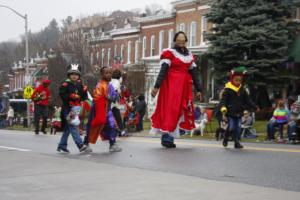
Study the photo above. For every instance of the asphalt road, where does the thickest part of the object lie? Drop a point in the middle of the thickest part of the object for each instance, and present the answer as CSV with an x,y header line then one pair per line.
x,y
202,166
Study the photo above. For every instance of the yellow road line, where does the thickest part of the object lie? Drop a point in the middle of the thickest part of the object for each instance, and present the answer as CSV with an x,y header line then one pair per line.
x,y
198,144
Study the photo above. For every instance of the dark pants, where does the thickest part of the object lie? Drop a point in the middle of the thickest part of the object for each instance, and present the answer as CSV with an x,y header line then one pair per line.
x,y
118,118
292,131
40,111
271,129
140,126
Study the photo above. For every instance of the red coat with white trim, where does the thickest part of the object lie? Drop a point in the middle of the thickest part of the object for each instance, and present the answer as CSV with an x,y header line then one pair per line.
x,y
175,100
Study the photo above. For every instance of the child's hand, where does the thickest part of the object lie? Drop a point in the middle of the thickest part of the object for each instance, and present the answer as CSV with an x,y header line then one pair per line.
x,y
154,92
223,110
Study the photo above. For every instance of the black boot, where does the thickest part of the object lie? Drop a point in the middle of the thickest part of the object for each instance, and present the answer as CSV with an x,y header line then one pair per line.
x,y
63,149
225,142
167,141
238,145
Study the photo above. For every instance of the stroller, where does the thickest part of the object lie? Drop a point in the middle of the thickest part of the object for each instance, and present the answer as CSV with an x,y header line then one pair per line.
x,y
132,121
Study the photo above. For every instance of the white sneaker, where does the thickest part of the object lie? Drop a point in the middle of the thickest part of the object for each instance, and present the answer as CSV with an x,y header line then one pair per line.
x,y
115,148
88,149
83,148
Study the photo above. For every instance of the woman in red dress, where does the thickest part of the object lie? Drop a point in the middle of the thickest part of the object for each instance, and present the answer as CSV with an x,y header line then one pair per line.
x,y
174,109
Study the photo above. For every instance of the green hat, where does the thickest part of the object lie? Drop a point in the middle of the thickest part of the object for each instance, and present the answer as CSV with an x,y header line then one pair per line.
x,y
239,70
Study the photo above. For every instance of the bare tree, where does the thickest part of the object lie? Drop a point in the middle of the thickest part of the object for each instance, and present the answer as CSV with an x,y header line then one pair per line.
x,y
153,9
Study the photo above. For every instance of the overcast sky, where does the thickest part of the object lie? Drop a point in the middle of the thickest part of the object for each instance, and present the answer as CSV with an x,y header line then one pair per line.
x,y
40,12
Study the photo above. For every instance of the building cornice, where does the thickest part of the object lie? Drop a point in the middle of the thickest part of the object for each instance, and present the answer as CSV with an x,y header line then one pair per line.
x,y
156,18
157,25
123,31
183,2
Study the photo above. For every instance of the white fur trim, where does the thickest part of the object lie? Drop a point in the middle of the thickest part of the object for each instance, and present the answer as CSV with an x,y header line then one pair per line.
x,y
193,65
174,134
167,61
185,59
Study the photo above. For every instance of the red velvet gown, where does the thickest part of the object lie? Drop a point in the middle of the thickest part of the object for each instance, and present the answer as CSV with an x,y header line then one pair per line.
x,y
174,107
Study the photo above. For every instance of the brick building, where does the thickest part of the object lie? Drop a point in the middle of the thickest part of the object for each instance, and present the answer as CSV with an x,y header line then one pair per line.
x,y
38,70
135,43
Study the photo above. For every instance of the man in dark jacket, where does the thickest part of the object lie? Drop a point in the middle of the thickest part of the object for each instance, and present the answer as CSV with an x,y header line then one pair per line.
x,y
72,92
140,108
234,101
40,98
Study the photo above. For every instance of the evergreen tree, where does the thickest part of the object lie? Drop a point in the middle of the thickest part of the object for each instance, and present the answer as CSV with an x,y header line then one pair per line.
x,y
253,33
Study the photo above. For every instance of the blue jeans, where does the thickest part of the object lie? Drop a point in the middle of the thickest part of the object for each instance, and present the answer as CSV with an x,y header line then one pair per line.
x,y
292,128
271,129
68,128
234,126
140,126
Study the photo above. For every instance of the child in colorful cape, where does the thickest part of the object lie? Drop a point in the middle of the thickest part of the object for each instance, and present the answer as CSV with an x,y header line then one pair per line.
x,y
234,101
101,120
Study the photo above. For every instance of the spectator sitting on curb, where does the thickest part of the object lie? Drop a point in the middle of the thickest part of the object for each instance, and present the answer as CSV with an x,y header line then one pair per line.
x,y
247,125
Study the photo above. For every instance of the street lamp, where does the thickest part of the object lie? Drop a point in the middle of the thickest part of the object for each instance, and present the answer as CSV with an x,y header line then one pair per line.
x,y
27,75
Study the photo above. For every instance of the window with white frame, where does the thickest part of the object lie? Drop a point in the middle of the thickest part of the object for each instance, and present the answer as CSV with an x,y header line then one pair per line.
x,y
115,53
203,28
161,41
22,80
182,27
97,57
108,57
102,57
144,46
122,52
92,58
15,86
298,13
129,52
136,52
170,38
193,32
152,46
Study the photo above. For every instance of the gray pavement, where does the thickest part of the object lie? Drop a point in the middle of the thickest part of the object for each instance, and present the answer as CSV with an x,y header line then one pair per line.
x,y
31,169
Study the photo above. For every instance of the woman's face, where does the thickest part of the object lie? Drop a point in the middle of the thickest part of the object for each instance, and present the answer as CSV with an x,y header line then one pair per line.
x,y
180,40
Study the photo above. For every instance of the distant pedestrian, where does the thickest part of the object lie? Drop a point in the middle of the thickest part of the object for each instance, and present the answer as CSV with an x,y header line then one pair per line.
x,y
116,107
56,121
140,109
10,116
40,97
